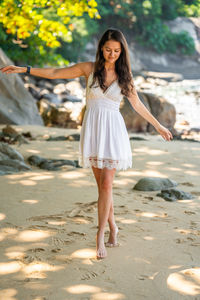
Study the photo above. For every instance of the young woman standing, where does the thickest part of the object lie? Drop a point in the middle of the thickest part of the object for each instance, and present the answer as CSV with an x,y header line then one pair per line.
x,y
104,143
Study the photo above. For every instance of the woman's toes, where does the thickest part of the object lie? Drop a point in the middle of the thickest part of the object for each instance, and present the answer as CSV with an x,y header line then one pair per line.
x,y
101,253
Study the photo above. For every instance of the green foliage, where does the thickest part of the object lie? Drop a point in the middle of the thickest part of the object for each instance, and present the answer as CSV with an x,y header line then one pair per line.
x,y
145,20
83,30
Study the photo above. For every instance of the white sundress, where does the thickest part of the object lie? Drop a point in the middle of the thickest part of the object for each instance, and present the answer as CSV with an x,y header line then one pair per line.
x,y
104,140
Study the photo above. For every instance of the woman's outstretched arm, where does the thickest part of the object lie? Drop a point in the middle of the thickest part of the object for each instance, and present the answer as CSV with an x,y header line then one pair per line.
x,y
145,113
74,71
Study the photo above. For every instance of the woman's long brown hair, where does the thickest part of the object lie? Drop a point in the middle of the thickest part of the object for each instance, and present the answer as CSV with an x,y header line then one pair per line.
x,y
122,65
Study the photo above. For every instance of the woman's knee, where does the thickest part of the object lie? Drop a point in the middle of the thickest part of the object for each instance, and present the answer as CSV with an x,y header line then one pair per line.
x,y
106,184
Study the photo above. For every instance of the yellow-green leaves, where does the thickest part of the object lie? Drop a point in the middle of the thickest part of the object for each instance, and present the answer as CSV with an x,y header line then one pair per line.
x,y
29,17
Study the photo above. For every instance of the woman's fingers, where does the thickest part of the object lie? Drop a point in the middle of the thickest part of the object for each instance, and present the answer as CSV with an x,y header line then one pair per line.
x,y
11,69
6,69
168,136
165,133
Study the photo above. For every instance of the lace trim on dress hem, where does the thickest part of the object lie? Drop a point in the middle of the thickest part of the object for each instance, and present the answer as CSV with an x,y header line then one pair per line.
x,y
101,163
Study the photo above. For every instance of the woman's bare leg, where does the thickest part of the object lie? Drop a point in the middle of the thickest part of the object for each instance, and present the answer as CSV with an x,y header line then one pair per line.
x,y
104,180
111,219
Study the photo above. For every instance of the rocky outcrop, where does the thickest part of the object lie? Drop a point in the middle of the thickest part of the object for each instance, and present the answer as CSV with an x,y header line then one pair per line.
x,y
17,105
190,25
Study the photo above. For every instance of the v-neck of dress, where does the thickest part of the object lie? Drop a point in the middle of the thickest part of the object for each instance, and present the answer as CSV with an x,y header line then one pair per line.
x,y
109,86
104,92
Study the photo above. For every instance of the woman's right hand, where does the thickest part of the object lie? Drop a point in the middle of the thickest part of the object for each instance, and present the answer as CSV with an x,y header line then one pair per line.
x,y
13,69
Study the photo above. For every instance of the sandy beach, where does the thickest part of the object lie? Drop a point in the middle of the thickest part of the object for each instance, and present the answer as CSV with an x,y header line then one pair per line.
x,y
48,225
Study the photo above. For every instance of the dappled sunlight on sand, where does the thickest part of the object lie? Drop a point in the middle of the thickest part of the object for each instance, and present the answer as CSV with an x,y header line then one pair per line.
x,y
33,235
2,216
24,174
30,201
82,288
41,177
153,173
107,296
82,183
15,254
56,223
173,169
37,269
95,290
147,150
193,173
8,294
7,232
71,175
84,253
122,182
186,282
148,238
155,163
175,267
130,173
148,214
10,267
33,151
127,221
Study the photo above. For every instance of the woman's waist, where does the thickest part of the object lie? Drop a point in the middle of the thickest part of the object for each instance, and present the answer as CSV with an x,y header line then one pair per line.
x,y
107,103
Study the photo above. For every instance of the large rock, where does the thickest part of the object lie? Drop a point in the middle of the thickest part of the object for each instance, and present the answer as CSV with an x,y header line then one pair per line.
x,y
154,184
160,108
134,122
11,161
17,105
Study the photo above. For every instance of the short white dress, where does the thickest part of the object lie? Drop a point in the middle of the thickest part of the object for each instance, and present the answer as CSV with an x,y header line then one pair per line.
x,y
104,140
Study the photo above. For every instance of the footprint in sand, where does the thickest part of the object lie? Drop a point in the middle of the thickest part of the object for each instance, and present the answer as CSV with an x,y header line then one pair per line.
x,y
180,241
37,226
74,233
121,209
189,212
83,207
89,275
187,183
59,242
57,217
34,250
148,197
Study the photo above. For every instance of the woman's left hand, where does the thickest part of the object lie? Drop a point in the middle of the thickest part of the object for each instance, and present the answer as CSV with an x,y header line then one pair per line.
x,y
164,132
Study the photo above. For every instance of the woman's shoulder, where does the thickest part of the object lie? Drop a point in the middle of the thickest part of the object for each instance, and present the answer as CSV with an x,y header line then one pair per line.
x,y
89,68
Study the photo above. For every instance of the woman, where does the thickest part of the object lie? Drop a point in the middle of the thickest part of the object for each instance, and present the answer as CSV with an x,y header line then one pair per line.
x,y
104,143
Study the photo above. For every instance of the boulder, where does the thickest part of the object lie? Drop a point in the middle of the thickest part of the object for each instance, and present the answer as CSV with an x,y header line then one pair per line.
x,y
154,184
17,105
160,108
53,164
134,122
11,161
174,194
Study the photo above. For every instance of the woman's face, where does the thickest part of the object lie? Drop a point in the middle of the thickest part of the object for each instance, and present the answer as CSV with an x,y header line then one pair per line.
x,y
111,51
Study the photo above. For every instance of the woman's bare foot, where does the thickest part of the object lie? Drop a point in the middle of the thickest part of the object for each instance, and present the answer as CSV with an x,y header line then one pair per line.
x,y
112,241
100,247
